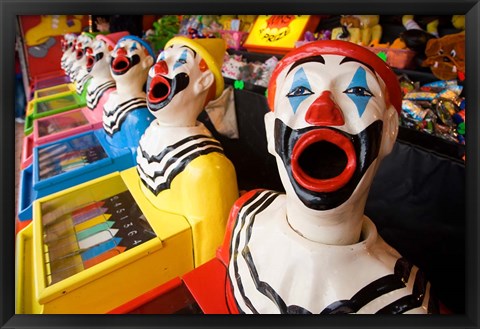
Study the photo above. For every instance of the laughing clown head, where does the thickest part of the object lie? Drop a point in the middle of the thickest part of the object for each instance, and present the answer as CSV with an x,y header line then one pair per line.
x,y
76,63
98,54
334,116
130,60
186,76
68,46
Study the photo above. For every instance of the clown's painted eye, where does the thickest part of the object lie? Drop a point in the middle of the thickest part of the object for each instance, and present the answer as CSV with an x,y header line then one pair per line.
x,y
359,91
453,53
299,91
181,60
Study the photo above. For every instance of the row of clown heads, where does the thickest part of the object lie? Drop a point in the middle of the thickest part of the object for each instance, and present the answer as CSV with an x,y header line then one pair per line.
x,y
334,117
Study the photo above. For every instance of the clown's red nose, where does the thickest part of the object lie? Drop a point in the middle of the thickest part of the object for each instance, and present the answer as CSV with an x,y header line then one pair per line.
x,y
324,111
161,68
121,52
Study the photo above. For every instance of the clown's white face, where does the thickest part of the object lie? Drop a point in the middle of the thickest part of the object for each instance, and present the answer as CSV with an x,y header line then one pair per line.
x,y
78,68
329,126
68,46
339,92
177,85
74,54
98,58
130,62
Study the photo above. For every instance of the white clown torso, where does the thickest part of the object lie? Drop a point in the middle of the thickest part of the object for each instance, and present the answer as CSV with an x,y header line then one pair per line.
x,y
273,269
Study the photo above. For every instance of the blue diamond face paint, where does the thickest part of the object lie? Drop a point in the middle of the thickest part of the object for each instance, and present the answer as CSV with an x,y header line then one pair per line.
x,y
182,60
133,47
358,90
300,89
161,57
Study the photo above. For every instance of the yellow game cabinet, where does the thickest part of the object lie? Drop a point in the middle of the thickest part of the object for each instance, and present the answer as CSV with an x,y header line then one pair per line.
x,y
92,247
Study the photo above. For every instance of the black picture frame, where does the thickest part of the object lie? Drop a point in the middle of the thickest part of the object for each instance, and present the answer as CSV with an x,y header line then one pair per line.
x,y
9,9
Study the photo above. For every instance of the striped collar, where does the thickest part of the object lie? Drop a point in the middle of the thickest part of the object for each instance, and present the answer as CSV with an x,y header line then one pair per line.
x,y
157,167
272,269
95,93
114,117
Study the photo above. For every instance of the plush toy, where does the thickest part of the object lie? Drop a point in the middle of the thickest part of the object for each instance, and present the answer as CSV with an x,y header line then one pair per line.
x,y
360,29
232,67
246,22
226,21
458,21
349,29
446,56
370,30
415,37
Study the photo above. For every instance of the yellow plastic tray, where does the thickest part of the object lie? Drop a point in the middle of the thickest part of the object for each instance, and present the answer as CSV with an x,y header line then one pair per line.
x,y
112,282
54,91
68,88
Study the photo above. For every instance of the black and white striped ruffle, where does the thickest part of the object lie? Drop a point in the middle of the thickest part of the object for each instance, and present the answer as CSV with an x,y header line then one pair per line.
x,y
94,96
405,276
81,83
112,120
158,171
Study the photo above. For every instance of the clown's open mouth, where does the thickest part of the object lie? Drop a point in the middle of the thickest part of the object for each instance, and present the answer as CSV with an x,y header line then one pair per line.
x,y
79,54
90,62
161,90
92,59
323,160
324,164
121,64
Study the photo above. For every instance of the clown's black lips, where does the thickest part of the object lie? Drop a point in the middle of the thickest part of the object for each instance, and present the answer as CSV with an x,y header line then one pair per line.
x,y
91,60
366,145
161,90
121,64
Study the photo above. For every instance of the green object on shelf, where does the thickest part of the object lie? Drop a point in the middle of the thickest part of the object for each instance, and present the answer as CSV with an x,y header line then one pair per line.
x,y
382,55
164,29
239,84
461,128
